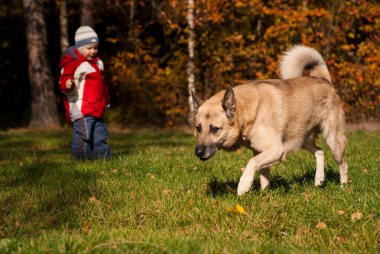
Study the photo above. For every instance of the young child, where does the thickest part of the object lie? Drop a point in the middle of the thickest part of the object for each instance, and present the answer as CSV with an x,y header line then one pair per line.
x,y
85,95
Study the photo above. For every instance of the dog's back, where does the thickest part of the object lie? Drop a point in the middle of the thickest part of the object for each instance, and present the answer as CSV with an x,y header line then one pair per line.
x,y
276,117
296,106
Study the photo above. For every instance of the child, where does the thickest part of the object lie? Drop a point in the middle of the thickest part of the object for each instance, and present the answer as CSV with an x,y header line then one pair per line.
x,y
85,95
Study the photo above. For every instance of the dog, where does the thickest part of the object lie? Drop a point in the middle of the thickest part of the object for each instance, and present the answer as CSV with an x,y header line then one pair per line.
x,y
275,117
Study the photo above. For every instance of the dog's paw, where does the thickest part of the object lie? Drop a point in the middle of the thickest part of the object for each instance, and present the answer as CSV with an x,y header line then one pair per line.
x,y
245,185
319,183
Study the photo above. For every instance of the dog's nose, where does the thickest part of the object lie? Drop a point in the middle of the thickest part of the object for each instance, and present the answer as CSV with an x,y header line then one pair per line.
x,y
199,150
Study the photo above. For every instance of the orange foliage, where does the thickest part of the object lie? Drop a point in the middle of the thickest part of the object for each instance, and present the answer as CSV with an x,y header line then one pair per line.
x,y
240,40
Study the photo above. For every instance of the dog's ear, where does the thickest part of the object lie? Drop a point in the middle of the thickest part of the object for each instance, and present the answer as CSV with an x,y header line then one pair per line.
x,y
229,103
197,102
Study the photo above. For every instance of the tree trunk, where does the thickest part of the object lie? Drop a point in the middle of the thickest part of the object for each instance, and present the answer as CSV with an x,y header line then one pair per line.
x,y
64,26
131,21
190,63
86,18
43,103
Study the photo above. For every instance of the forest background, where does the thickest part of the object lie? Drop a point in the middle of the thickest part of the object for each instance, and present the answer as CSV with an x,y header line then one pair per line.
x,y
145,47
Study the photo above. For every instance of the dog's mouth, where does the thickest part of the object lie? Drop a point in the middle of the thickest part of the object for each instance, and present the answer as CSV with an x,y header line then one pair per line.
x,y
205,152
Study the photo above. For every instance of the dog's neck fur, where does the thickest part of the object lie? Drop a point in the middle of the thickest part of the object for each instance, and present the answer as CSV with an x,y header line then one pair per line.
x,y
244,117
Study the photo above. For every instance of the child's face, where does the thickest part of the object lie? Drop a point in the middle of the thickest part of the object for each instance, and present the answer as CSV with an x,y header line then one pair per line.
x,y
89,51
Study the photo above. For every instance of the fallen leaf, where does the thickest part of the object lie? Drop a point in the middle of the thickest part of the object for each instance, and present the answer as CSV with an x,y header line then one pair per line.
x,y
238,209
167,192
341,239
356,216
92,199
321,225
340,212
86,226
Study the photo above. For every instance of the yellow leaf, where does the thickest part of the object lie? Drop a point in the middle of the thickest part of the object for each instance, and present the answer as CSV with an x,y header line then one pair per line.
x,y
240,209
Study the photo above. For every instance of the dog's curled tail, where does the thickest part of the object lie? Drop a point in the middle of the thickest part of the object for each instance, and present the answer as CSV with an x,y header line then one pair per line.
x,y
300,58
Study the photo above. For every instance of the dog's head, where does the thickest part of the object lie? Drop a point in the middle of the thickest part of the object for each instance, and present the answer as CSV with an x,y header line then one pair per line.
x,y
215,123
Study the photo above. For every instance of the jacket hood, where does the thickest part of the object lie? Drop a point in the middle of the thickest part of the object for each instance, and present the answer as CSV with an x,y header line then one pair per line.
x,y
71,54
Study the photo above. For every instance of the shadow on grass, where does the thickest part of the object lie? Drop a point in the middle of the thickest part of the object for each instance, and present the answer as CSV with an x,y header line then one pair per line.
x,y
23,143
42,188
43,195
129,143
217,188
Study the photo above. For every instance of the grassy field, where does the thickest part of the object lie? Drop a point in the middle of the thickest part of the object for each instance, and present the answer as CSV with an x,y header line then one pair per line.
x,y
155,196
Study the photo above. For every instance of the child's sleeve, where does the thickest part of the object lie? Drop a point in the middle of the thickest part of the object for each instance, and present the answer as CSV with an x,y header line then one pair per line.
x,y
67,72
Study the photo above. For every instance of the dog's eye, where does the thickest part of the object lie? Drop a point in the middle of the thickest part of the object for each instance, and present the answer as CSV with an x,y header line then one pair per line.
x,y
214,129
199,128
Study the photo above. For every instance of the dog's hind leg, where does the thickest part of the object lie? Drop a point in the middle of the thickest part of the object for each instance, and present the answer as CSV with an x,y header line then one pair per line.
x,y
264,178
336,141
337,144
319,158
261,161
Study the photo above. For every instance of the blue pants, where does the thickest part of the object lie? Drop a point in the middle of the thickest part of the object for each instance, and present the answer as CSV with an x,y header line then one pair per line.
x,y
90,139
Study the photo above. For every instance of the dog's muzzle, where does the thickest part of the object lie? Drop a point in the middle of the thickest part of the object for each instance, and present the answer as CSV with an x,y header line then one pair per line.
x,y
205,152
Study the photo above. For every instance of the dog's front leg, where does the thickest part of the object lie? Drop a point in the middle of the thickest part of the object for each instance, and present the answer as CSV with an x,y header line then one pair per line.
x,y
261,161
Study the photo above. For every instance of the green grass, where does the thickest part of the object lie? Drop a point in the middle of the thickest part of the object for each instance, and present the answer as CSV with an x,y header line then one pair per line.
x,y
155,196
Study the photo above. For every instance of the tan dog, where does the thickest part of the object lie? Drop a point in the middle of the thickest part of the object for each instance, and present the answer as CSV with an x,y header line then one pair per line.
x,y
276,117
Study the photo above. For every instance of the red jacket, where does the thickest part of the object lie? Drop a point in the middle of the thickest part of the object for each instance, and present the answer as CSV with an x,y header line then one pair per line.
x,y
89,95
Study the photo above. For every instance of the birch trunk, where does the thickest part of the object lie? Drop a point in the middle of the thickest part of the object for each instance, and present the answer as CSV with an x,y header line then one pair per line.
x,y
131,21
63,26
190,63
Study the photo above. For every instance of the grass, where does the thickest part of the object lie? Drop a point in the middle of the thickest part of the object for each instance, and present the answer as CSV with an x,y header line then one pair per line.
x,y
155,196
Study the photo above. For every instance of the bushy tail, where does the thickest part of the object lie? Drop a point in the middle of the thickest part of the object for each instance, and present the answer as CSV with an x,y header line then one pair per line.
x,y
299,58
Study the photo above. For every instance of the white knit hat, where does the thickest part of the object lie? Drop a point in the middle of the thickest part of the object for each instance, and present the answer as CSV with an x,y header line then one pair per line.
x,y
85,35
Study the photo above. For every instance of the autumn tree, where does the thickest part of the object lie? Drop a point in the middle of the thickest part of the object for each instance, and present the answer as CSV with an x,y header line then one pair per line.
x,y
235,41
43,102
86,17
63,24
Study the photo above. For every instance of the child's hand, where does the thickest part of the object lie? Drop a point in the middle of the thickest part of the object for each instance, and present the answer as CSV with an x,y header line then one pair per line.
x,y
69,84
